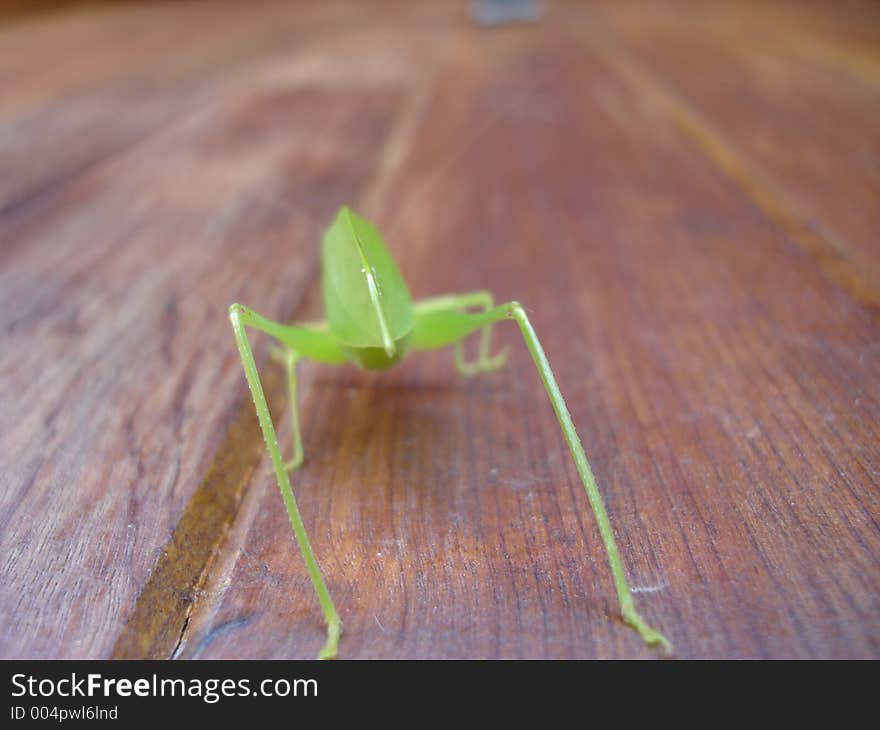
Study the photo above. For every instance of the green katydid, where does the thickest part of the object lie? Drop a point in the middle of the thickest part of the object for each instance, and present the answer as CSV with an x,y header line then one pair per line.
x,y
373,322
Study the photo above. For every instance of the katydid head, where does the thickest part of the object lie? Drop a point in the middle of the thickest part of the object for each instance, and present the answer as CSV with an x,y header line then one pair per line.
x,y
368,306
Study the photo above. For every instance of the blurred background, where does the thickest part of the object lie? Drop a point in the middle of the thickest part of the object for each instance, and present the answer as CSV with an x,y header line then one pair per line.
x,y
684,195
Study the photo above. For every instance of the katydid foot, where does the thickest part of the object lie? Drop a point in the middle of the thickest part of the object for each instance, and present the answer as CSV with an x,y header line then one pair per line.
x,y
649,635
331,646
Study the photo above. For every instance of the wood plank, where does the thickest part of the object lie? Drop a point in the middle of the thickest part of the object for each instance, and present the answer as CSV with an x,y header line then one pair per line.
x,y
790,99
709,311
116,348
725,389
123,77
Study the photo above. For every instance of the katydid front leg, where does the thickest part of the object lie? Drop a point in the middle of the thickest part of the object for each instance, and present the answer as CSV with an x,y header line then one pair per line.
x,y
320,346
484,363
289,358
436,327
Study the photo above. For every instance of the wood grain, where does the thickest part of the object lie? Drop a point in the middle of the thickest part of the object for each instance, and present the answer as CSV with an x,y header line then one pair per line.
x,y
707,299
792,117
121,279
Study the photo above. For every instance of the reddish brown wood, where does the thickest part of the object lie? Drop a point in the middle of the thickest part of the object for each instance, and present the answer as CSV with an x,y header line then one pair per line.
x,y
716,342
118,384
789,109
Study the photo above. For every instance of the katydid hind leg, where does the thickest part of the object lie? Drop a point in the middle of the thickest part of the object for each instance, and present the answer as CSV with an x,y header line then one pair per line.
x,y
241,317
627,605
439,327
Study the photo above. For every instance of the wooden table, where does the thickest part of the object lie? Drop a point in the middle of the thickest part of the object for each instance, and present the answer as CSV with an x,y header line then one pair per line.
x,y
686,198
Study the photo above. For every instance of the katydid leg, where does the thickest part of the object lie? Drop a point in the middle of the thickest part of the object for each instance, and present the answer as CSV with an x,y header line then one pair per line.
x,y
241,317
289,358
624,594
437,328
461,303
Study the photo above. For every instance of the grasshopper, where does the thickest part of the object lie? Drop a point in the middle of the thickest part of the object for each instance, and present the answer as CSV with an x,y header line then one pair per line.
x,y
373,322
